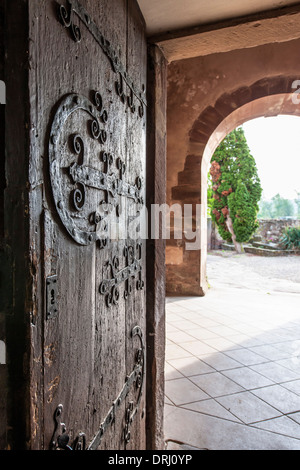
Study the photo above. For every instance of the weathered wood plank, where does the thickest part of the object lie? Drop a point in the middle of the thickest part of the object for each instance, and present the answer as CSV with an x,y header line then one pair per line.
x,y
16,223
3,367
81,354
85,344
136,161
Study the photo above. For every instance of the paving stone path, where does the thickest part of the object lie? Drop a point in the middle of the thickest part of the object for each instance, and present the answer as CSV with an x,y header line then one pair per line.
x,y
233,358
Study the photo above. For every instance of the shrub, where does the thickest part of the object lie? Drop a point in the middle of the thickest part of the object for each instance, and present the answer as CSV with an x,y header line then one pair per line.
x,y
291,238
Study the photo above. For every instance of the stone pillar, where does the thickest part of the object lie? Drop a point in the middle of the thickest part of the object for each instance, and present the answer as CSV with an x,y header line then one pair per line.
x,y
186,267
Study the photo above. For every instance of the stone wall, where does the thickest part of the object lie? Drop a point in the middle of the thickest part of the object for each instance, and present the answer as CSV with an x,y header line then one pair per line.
x,y
271,230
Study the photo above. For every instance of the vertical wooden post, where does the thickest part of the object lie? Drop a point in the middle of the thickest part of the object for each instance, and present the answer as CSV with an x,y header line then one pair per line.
x,y
3,368
156,194
16,271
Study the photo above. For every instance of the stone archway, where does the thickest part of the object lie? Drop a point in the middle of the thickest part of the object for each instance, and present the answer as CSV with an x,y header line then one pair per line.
x,y
186,269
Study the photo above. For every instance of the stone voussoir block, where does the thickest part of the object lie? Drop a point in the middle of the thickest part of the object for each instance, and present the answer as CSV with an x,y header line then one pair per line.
x,y
189,177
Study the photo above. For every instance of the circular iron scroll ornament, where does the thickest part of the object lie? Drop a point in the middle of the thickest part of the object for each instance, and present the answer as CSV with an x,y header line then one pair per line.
x,y
74,171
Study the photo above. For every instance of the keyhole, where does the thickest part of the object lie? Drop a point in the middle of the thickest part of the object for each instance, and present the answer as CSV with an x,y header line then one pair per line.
x,y
52,297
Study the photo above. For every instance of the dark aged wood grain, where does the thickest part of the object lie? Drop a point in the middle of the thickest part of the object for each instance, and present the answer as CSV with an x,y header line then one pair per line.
x,y
17,224
3,367
81,356
136,135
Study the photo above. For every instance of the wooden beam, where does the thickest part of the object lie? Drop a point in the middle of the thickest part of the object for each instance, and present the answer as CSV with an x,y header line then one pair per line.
x,y
273,26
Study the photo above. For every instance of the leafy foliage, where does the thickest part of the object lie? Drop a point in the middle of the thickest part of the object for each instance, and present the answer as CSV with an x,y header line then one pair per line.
x,y
291,238
245,221
297,202
276,208
210,194
236,188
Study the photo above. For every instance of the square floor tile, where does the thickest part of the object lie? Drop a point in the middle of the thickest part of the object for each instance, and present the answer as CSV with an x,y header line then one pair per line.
x,y
205,322
269,351
243,406
246,329
295,417
170,328
169,409
189,366
213,433
248,408
197,348
283,425
244,341
246,357
280,398
275,372
291,348
220,361
202,333
180,337
216,384
222,330
293,386
268,338
182,391
221,344
292,363
184,325
190,315
168,402
174,351
247,378
211,407
171,373
176,308
173,317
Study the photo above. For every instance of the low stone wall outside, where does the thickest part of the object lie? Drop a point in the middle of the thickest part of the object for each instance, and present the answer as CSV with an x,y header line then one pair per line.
x,y
270,231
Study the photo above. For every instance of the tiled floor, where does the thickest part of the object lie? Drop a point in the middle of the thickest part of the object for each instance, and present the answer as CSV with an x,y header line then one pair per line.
x,y
233,365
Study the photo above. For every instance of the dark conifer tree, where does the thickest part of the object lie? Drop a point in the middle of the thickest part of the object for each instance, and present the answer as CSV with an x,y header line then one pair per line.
x,y
236,189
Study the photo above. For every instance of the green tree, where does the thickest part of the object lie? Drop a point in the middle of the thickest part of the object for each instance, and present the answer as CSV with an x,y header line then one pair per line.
x,y
277,207
265,209
297,202
236,189
282,207
210,195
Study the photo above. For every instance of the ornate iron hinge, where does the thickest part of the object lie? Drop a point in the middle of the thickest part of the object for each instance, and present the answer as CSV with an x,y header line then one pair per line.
x,y
61,440
132,270
87,189
66,17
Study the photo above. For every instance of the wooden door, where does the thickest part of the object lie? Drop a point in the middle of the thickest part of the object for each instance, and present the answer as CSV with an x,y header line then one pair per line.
x,y
87,79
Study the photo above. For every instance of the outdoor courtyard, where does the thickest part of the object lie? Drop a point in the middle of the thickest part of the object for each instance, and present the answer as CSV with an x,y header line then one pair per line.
x,y
233,357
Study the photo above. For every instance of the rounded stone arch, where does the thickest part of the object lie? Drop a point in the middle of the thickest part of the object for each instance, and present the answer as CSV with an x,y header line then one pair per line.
x,y
268,97
228,103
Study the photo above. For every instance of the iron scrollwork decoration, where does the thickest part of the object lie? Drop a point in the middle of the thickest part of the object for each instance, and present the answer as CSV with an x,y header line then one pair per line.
x,y
76,170
66,17
134,381
61,439
131,271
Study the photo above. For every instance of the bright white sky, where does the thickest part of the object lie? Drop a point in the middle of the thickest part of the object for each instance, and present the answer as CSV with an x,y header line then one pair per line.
x,y
275,144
